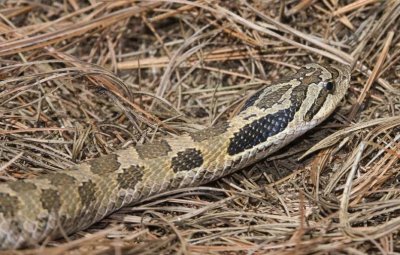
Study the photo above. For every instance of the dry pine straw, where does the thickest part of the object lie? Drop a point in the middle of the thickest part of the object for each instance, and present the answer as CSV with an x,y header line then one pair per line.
x,y
83,78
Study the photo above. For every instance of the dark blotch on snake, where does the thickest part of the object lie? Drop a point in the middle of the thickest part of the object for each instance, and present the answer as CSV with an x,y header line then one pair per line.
x,y
130,177
87,193
251,101
207,133
104,164
261,129
301,73
305,75
272,97
22,186
187,160
58,179
314,78
8,205
50,200
153,150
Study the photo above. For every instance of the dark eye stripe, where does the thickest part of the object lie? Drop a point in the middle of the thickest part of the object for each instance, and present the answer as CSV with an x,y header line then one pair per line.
x,y
317,105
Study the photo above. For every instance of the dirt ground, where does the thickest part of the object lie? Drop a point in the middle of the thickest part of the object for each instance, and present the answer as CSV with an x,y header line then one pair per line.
x,y
83,78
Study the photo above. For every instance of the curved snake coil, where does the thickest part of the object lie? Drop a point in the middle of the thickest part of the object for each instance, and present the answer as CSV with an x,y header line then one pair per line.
x,y
67,201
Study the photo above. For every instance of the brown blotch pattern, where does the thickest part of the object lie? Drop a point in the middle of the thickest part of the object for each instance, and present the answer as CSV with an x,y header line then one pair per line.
x,y
298,95
302,72
187,160
153,150
250,102
271,99
50,200
87,193
22,186
130,177
207,133
304,75
313,78
105,164
8,205
58,179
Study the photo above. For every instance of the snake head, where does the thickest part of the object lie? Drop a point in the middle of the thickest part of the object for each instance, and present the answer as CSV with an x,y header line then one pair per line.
x,y
308,96
286,109
326,85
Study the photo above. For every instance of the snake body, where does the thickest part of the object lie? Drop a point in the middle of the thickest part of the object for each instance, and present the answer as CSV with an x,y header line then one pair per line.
x,y
33,210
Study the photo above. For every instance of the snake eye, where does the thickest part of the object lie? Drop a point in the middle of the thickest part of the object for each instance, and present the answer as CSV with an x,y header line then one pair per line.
x,y
329,86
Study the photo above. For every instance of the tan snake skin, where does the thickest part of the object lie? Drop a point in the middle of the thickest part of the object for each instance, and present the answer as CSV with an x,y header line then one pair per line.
x,y
67,201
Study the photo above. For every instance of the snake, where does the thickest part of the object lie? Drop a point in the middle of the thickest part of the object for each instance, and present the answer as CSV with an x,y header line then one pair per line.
x,y
63,202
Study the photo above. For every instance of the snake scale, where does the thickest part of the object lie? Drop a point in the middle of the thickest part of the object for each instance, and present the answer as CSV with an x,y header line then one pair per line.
x,y
33,210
